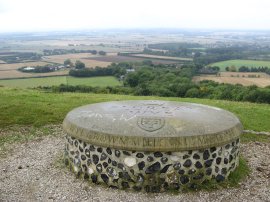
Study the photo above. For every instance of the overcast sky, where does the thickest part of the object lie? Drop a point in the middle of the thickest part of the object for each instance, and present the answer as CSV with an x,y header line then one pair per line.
x,y
46,15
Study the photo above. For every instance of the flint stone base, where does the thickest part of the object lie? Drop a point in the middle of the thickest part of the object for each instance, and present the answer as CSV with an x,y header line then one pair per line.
x,y
150,171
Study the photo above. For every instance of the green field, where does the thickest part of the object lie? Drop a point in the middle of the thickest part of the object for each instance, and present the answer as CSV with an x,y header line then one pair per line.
x,y
239,63
32,107
57,80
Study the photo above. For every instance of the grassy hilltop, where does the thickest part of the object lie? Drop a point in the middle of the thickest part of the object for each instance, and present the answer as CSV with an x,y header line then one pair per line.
x,y
32,107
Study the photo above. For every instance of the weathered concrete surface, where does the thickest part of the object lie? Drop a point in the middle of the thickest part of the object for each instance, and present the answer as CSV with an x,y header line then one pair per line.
x,y
152,125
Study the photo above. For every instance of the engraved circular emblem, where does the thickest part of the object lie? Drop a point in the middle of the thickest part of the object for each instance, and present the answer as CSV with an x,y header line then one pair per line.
x,y
151,124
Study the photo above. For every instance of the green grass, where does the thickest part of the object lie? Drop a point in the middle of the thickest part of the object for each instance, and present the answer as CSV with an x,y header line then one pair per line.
x,y
238,63
32,107
57,80
253,138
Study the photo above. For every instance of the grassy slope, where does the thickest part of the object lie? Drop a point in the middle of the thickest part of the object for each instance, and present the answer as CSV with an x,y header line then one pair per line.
x,y
239,63
28,107
94,81
57,80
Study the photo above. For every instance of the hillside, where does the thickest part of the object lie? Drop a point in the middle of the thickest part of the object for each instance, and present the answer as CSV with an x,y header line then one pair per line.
x,y
30,107
30,123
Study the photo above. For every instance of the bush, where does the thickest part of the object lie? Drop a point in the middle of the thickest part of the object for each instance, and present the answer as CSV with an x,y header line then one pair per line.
x,y
193,92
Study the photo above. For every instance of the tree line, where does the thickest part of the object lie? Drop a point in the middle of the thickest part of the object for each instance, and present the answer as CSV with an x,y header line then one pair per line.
x,y
47,52
167,82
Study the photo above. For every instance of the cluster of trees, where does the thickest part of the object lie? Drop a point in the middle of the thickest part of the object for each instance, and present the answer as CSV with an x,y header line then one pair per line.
x,y
209,70
16,57
68,51
38,69
78,64
178,83
174,46
166,82
112,70
204,55
183,52
248,69
254,69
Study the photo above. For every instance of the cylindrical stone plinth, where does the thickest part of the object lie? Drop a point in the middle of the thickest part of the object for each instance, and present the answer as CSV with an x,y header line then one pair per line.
x,y
151,145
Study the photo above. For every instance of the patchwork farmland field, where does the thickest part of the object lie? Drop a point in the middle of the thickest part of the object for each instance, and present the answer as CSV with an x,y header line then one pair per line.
x,y
83,57
117,59
261,80
8,71
238,63
161,57
57,80
10,74
15,66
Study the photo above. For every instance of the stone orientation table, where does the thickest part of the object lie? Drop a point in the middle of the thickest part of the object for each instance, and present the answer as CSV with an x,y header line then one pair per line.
x,y
151,145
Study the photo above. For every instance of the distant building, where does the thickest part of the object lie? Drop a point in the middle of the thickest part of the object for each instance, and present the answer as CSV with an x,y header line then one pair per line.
x,y
28,68
130,70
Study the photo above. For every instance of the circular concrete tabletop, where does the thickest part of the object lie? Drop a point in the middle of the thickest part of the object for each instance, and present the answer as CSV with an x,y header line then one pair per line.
x,y
152,125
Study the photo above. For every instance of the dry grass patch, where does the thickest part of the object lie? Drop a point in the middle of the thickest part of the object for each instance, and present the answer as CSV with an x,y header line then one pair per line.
x,y
261,80
83,57
161,57
15,66
17,74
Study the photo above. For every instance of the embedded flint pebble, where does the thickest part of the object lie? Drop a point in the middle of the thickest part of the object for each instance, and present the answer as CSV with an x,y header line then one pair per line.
x,y
103,156
95,159
141,165
158,154
126,153
105,164
117,153
187,163
139,155
218,160
109,151
150,158
87,153
196,156
184,179
220,178
208,163
164,160
164,170
208,171
99,168
177,166
198,165
206,154
92,148
83,157
153,168
105,178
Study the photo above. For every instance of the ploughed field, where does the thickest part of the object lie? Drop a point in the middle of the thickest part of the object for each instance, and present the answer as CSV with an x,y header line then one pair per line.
x,y
148,56
118,58
244,78
102,81
8,71
86,58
